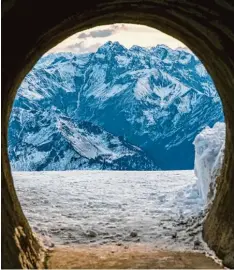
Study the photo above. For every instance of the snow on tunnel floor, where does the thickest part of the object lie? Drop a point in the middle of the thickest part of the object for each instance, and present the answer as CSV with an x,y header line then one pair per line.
x,y
106,207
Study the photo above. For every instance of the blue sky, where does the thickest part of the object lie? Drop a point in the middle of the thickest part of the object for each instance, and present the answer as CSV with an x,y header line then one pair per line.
x,y
126,34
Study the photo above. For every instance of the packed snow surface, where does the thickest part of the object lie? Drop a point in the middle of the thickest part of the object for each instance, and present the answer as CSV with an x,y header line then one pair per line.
x,y
209,152
84,207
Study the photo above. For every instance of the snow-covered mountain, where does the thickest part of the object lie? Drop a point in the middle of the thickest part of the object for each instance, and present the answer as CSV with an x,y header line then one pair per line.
x,y
152,101
47,140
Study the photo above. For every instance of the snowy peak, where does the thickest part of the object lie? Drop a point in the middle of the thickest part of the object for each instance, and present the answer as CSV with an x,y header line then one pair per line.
x,y
113,47
109,50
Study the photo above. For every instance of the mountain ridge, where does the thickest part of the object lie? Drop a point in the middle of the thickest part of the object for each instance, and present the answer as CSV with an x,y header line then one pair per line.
x,y
158,99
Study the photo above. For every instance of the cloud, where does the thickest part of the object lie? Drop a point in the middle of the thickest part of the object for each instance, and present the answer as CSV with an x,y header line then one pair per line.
x,y
127,34
97,34
104,31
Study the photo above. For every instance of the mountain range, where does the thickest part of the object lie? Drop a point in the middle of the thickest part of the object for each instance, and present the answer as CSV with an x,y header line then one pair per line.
x,y
117,108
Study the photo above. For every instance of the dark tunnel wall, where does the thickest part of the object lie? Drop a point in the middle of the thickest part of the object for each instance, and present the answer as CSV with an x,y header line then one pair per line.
x,y
30,28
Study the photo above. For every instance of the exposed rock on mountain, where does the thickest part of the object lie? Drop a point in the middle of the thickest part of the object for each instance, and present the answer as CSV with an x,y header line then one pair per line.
x,y
151,102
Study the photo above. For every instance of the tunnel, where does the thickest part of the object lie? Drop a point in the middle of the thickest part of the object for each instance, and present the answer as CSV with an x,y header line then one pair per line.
x,y
31,28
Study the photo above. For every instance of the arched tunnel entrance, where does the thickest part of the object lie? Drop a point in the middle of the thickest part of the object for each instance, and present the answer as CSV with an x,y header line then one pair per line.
x,y
29,30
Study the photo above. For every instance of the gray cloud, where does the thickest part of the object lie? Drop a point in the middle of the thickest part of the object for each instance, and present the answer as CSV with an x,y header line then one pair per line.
x,y
97,33
102,33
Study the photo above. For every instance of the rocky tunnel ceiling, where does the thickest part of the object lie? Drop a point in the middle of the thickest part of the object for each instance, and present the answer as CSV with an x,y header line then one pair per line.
x,y
30,28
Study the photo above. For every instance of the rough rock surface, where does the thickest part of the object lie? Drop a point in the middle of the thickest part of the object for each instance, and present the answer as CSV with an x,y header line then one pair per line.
x,y
206,27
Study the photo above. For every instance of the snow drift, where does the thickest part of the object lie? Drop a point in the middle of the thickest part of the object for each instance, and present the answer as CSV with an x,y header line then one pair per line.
x,y
209,151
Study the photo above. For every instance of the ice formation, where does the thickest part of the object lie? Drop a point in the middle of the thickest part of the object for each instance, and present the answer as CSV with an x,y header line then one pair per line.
x,y
209,151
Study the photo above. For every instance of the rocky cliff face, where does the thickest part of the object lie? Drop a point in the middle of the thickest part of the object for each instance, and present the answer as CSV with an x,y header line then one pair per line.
x,y
117,108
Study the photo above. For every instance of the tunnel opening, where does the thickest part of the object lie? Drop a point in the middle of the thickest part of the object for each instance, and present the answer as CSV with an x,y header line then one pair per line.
x,y
133,109
222,203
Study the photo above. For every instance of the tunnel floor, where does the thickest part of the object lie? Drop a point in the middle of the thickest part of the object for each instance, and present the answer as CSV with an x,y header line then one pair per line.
x,y
135,256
